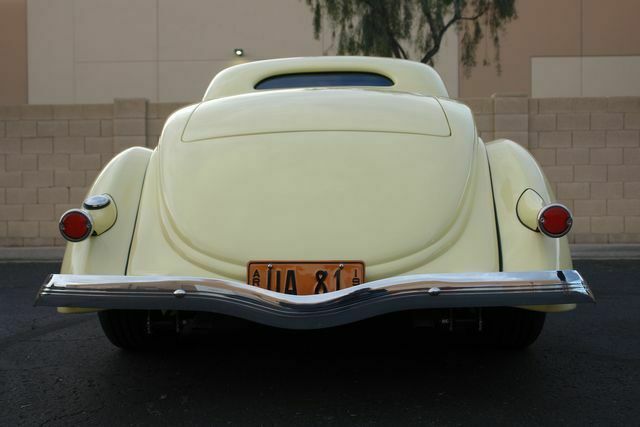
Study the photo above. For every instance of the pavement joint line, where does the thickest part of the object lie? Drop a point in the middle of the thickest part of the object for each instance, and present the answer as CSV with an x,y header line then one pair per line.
x,y
611,251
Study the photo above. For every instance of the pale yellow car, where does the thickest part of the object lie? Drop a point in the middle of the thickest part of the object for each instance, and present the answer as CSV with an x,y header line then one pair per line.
x,y
308,193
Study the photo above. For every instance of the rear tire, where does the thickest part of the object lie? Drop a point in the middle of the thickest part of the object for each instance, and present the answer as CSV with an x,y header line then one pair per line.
x,y
513,328
126,329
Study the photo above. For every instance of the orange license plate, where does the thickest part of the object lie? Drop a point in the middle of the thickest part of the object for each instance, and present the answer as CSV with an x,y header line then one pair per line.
x,y
305,278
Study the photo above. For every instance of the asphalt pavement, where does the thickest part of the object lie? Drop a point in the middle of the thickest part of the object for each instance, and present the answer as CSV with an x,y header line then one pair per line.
x,y
583,370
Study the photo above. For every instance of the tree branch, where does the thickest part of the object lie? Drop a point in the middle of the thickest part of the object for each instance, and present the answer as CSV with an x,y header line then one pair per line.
x,y
437,37
474,17
379,27
396,47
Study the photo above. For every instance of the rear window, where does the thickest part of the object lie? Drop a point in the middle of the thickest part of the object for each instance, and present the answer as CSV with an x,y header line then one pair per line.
x,y
299,80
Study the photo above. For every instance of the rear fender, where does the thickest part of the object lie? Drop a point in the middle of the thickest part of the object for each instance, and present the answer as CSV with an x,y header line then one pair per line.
x,y
122,179
514,170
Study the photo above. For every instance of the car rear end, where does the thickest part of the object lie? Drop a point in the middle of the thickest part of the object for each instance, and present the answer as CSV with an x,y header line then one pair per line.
x,y
312,207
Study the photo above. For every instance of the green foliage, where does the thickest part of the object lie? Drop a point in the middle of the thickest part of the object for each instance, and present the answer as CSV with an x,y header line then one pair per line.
x,y
397,27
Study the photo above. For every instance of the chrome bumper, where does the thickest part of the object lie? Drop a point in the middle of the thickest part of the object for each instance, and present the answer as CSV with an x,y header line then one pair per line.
x,y
315,311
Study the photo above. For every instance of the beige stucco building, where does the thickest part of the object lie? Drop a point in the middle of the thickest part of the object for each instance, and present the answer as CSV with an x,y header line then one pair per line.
x,y
91,51
102,76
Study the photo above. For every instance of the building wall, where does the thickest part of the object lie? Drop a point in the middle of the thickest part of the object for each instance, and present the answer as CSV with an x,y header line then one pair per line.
x,y
571,46
13,52
92,51
585,76
588,147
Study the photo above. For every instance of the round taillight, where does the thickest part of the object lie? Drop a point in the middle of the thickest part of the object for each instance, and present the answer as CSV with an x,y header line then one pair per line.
x,y
555,220
76,225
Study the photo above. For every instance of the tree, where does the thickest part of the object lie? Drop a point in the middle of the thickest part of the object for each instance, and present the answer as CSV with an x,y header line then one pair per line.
x,y
397,27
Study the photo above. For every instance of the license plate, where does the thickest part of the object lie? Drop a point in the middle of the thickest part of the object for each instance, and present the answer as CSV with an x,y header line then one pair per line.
x,y
304,277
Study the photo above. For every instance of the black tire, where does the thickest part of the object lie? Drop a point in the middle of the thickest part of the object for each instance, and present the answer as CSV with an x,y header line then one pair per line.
x,y
126,329
513,328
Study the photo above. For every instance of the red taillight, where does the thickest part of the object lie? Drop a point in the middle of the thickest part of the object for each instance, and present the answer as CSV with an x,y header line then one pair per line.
x,y
555,220
75,225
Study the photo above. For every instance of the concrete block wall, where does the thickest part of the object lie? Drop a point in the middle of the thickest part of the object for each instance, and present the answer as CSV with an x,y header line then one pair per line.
x,y
50,155
589,148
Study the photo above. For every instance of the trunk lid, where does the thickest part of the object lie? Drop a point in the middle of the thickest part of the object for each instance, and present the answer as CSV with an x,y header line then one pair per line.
x,y
311,178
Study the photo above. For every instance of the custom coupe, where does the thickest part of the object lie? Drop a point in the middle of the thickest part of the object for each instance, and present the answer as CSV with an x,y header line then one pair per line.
x,y
309,193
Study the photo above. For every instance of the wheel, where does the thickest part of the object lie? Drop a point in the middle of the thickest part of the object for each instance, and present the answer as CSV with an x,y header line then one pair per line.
x,y
514,328
127,329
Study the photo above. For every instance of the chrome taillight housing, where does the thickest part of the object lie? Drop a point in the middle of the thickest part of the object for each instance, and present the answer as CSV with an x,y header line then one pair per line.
x,y
75,225
555,220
